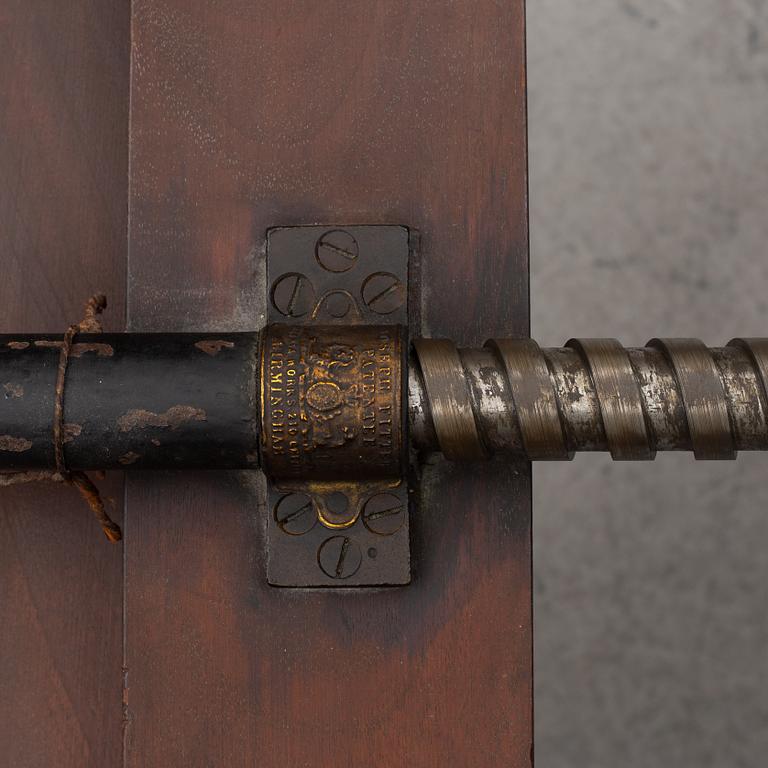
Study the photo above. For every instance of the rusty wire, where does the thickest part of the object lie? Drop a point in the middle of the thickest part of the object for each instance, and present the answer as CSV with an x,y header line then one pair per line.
x,y
62,474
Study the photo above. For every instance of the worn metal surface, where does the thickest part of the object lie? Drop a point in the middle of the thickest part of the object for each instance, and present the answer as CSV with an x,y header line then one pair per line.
x,y
332,402
333,446
370,548
333,387
593,395
532,392
321,406
338,275
159,401
618,394
449,398
703,393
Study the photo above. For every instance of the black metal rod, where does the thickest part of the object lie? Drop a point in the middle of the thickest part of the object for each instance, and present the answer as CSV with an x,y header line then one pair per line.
x,y
153,401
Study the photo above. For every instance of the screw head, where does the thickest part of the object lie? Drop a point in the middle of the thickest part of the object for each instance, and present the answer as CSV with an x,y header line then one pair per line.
x,y
383,293
293,295
295,514
336,251
384,513
339,557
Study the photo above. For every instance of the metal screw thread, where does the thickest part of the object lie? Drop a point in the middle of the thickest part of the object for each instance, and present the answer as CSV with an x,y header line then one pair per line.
x,y
590,395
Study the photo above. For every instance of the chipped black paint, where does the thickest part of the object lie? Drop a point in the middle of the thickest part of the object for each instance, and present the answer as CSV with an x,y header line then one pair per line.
x,y
140,400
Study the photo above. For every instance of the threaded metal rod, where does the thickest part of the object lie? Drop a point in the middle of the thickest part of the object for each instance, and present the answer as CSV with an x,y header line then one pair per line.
x,y
591,395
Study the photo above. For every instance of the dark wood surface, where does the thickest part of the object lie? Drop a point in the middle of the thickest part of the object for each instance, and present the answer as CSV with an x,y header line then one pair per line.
x,y
247,115
63,202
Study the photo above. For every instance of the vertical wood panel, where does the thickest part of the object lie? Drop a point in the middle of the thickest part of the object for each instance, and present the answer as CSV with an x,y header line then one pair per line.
x,y
63,204
247,115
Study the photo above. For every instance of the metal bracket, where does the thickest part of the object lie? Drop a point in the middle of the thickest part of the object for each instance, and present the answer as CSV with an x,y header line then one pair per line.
x,y
333,360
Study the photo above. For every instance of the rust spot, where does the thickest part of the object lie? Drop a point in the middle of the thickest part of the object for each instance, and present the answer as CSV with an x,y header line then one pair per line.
x,y
174,417
78,350
18,344
102,350
14,444
129,458
13,390
213,347
71,431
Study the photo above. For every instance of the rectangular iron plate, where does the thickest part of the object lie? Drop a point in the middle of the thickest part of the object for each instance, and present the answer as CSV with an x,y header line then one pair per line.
x,y
346,275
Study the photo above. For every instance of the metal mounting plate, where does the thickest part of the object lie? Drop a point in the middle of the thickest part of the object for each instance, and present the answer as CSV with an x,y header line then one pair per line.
x,y
344,532
346,275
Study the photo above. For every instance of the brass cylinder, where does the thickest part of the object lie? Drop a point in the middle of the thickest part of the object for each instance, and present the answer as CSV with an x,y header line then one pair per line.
x,y
332,402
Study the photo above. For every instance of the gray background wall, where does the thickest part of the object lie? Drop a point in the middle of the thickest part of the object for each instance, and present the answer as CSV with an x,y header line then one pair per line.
x,y
649,216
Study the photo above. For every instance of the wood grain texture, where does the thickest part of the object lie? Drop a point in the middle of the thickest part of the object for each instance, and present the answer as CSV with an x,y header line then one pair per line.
x,y
63,205
247,115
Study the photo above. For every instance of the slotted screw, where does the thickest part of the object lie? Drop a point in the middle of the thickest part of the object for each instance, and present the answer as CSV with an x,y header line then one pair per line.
x,y
339,557
384,514
383,293
293,295
295,513
337,251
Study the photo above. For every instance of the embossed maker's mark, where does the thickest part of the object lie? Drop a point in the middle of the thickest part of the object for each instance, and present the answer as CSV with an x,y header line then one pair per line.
x,y
325,391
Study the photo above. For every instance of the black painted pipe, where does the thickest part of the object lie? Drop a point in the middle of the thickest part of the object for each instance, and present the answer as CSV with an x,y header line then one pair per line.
x,y
152,401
